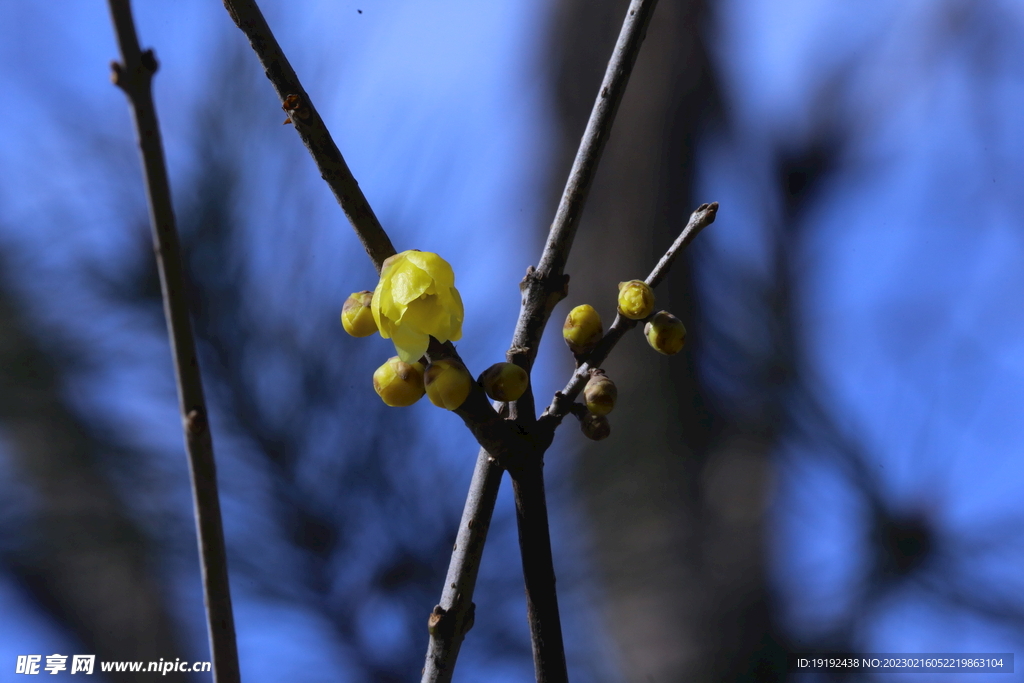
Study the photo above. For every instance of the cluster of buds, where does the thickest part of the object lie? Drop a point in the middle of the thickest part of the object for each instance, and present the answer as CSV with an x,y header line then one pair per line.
x,y
415,300
582,332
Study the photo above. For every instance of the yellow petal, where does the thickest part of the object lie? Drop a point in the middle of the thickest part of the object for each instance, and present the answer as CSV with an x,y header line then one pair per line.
x,y
408,283
436,267
427,314
457,313
410,344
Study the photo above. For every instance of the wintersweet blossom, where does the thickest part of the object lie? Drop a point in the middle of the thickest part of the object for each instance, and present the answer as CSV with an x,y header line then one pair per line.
x,y
416,299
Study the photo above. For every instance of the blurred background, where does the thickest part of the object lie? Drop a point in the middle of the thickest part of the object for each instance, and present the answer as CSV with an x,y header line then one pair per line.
x,y
833,464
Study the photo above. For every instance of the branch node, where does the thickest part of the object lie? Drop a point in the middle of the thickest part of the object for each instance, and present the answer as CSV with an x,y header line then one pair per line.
x,y
196,421
117,74
439,624
515,351
148,60
296,108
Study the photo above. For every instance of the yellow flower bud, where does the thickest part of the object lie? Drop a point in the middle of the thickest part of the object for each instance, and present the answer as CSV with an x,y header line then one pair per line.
x,y
665,333
416,299
595,427
356,316
448,383
504,381
600,393
582,329
636,299
398,383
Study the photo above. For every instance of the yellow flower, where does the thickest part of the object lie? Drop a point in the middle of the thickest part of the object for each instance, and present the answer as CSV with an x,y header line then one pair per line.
x,y
416,299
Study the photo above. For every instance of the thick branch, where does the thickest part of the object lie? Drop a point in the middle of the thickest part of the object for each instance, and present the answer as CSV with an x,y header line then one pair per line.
x,y
539,573
561,405
134,76
542,289
311,128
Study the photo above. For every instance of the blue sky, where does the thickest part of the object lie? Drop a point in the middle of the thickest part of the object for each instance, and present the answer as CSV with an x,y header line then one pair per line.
x,y
909,278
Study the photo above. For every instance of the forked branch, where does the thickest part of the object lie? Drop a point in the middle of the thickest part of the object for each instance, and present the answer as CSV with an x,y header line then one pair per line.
x,y
542,289
563,400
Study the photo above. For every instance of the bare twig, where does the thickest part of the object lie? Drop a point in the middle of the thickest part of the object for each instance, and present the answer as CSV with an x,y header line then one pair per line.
x,y
546,285
453,616
562,403
134,75
311,128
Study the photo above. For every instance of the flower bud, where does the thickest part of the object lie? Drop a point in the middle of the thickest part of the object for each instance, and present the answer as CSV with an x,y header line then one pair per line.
x,y
665,333
600,393
582,329
595,427
636,299
504,381
448,383
398,383
356,316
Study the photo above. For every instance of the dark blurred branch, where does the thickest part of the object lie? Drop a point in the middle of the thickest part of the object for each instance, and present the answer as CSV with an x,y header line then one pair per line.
x,y
85,560
134,75
311,128
563,400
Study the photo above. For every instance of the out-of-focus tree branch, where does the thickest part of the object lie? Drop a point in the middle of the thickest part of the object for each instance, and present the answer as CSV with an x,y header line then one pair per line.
x,y
83,558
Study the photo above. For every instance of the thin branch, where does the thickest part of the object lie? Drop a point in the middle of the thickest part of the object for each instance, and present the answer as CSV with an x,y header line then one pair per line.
x,y
544,287
562,403
134,75
311,128
453,616
478,415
